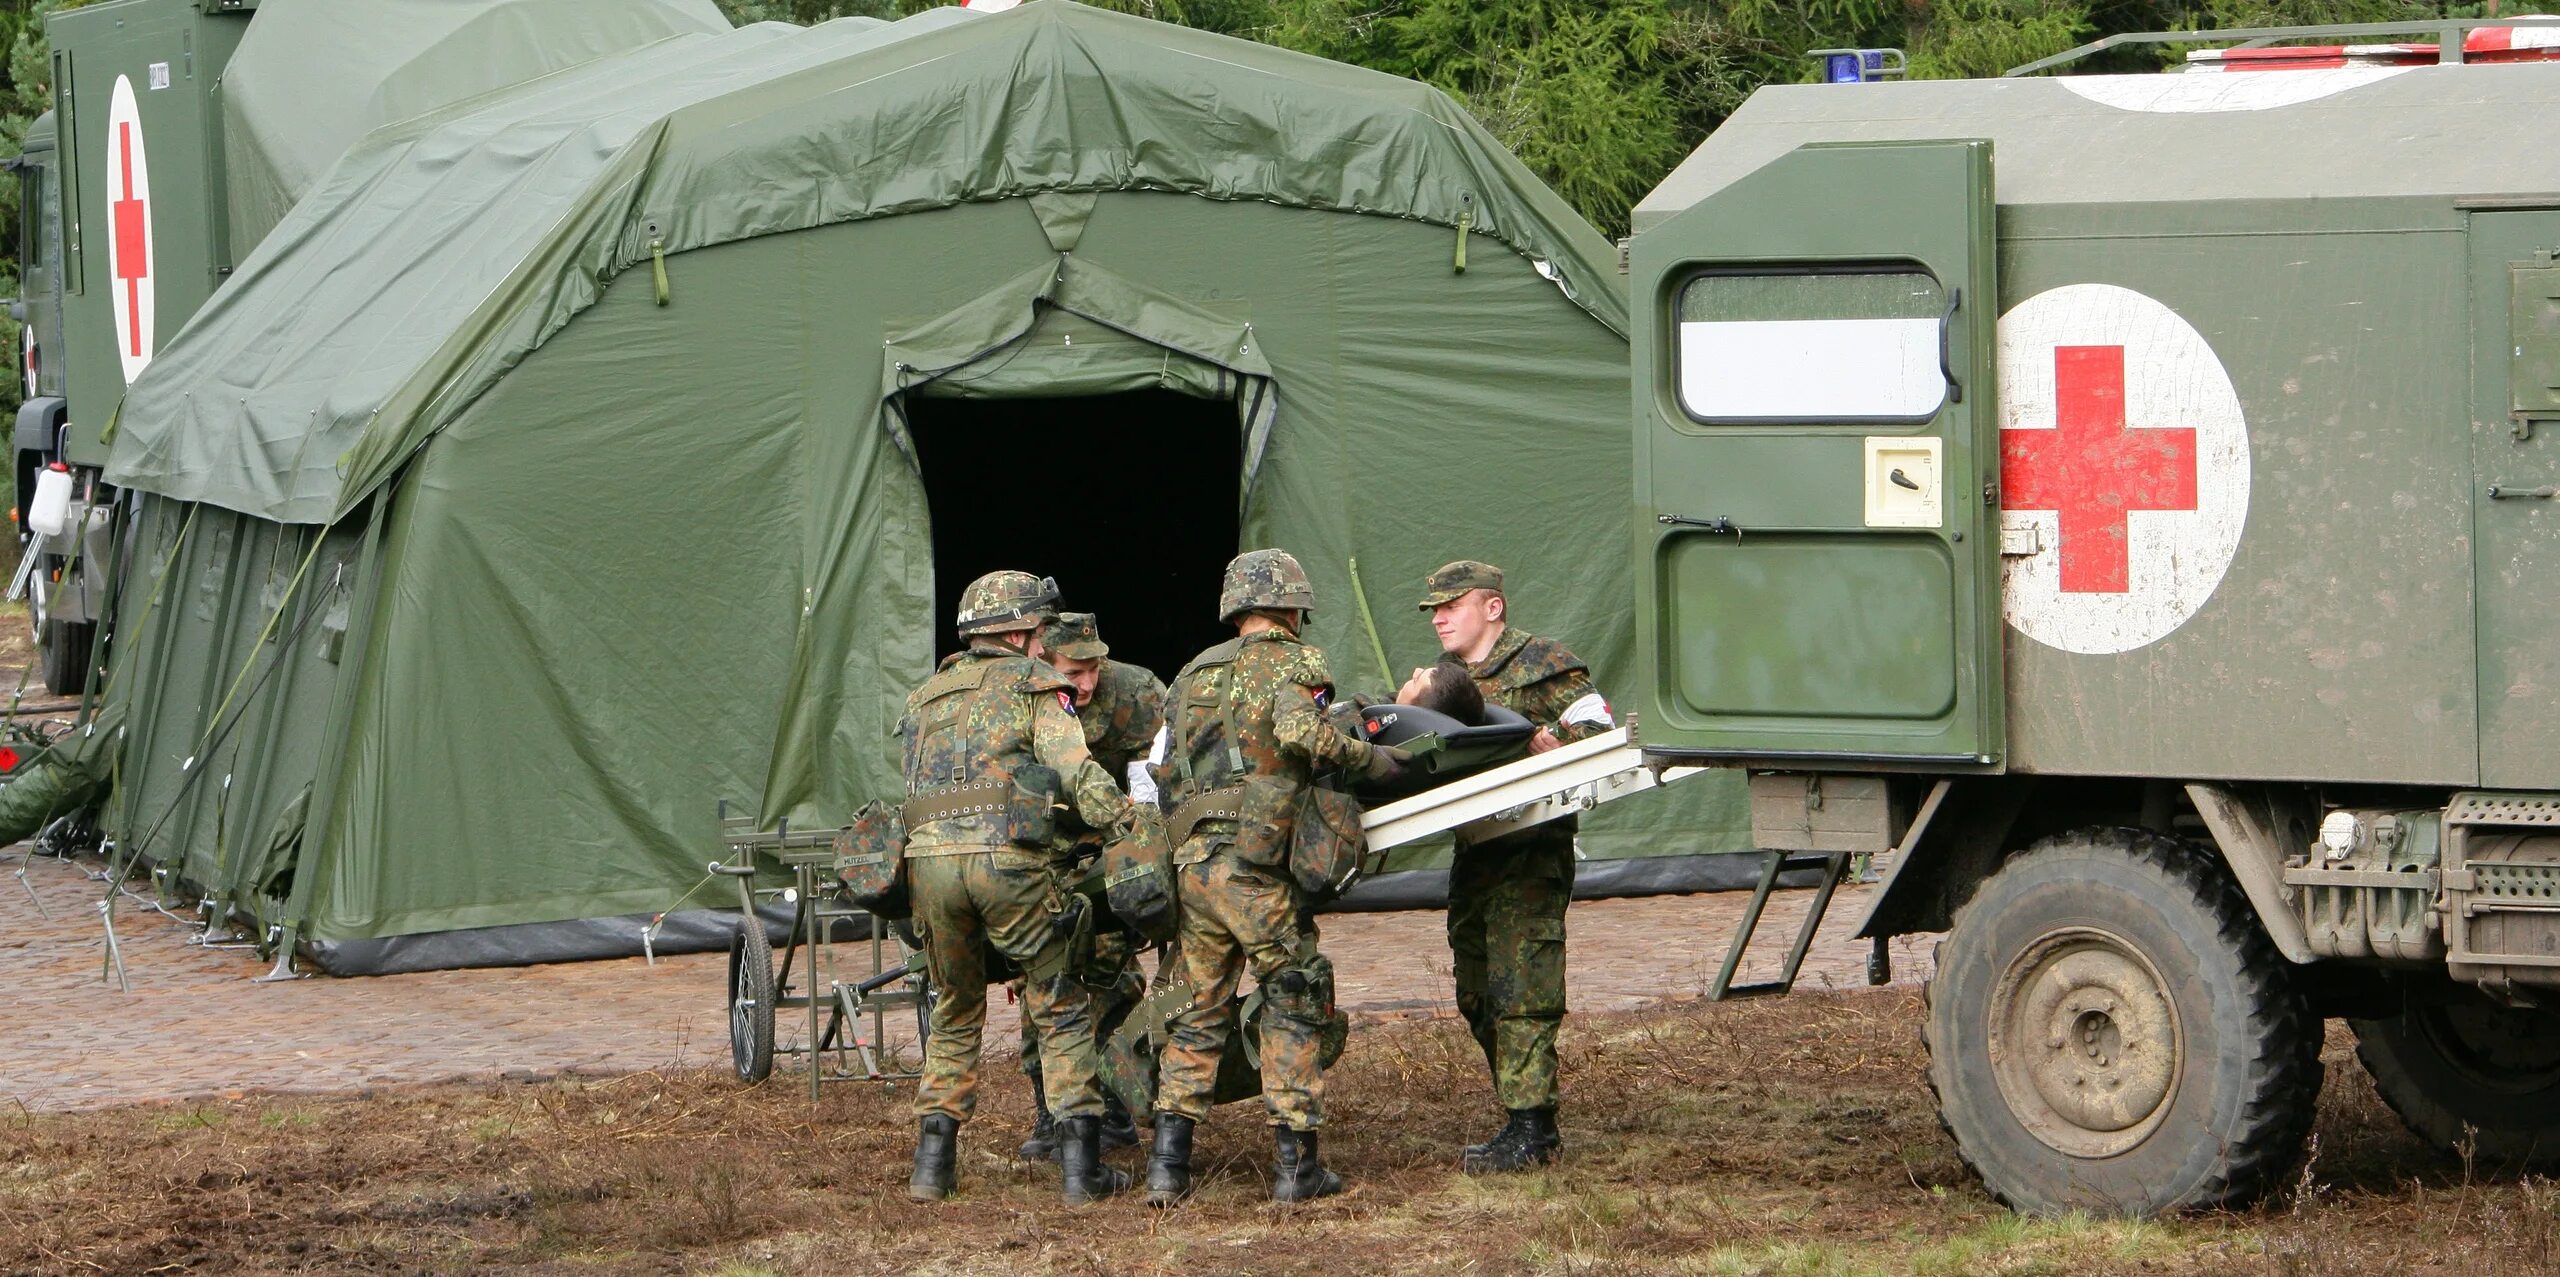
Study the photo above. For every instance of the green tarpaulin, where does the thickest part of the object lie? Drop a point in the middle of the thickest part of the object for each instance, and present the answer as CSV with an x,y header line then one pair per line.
x,y
312,76
577,458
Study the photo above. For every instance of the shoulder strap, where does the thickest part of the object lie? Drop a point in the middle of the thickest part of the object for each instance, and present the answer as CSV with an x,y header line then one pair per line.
x,y
956,678
1222,654
1227,718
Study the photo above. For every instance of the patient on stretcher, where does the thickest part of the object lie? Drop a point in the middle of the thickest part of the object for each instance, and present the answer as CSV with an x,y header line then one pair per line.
x,y
1439,716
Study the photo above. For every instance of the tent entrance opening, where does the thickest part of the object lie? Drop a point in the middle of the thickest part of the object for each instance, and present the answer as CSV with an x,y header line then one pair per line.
x,y
1129,500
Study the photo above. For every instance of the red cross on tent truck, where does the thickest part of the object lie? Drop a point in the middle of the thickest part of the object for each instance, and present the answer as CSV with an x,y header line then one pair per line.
x,y
2125,506
163,164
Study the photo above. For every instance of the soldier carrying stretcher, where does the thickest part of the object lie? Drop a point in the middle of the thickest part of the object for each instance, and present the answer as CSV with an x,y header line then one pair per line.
x,y
992,749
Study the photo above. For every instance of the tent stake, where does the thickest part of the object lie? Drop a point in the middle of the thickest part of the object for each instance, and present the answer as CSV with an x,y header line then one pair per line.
x,y
115,951
284,960
32,897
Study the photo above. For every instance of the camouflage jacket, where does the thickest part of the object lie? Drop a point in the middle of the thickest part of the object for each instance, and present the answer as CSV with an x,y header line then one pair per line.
x,y
1279,692
1540,681
1120,721
985,714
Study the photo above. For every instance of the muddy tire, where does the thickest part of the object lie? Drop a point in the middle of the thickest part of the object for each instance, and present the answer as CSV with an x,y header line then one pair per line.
x,y
2456,1067
751,1001
65,647
2110,1030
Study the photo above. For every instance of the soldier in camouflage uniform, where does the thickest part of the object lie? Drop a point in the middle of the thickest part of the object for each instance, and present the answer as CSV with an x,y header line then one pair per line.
x,y
1122,707
1248,732
1507,896
992,750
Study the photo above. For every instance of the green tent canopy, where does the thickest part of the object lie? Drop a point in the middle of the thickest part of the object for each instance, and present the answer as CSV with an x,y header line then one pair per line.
x,y
584,455
312,76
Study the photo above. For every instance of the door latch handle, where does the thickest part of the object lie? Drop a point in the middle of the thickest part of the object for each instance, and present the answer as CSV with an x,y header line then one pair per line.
x,y
1901,480
1714,523
2501,492
1946,360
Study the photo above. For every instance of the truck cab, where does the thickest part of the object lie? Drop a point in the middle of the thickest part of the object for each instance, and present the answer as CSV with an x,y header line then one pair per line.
x,y
64,620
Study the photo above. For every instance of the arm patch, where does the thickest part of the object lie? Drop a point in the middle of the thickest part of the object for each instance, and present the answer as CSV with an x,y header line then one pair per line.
x,y
1306,668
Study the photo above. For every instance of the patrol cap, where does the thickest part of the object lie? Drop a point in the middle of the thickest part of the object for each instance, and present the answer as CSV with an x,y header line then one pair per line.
x,y
1075,636
1451,580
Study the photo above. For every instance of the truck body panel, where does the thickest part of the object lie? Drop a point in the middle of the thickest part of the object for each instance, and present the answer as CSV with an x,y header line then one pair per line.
x,y
2246,432
145,227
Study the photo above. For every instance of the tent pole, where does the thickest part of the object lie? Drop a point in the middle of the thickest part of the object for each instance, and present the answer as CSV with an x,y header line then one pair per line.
x,y
1377,646
325,786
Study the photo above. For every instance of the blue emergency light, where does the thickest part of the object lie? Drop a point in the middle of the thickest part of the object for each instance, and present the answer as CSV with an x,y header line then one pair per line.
x,y
1858,66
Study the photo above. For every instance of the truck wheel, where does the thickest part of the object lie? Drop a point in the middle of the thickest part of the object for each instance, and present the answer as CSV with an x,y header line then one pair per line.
x,y
65,647
2109,1029
2457,1067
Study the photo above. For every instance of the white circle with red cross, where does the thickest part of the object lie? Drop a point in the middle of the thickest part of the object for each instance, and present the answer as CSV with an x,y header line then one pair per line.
x,y
129,248
2124,469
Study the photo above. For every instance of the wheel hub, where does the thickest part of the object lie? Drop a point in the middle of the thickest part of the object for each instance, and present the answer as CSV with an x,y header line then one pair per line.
x,y
2085,1042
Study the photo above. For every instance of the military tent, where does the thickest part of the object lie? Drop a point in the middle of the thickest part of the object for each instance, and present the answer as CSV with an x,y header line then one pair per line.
x,y
578,457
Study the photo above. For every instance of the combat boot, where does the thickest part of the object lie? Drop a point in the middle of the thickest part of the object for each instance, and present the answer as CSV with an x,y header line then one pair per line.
x,y
1080,1153
1528,1139
937,1158
1297,1174
1043,1144
1118,1131
1169,1163
1510,1125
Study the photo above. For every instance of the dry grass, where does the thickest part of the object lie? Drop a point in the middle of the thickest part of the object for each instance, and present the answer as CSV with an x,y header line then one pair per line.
x,y
1785,1137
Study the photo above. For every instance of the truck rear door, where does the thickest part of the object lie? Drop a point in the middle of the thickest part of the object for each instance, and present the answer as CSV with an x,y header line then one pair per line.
x,y
1817,553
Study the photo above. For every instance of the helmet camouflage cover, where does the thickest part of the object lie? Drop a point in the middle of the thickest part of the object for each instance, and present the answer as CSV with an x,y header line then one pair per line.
x,y
1003,602
1260,579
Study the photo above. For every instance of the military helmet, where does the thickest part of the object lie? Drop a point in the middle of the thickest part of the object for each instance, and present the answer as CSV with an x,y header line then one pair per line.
x,y
1259,579
1003,602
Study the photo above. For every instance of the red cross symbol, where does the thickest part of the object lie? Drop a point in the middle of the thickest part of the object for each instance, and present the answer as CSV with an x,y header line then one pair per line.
x,y
133,254
2090,470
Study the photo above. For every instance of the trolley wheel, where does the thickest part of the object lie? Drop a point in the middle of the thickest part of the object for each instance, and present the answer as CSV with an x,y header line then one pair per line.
x,y
926,996
751,999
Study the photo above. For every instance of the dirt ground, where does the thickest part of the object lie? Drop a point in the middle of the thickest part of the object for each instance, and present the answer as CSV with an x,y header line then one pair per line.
x,y
1773,1137
1789,1137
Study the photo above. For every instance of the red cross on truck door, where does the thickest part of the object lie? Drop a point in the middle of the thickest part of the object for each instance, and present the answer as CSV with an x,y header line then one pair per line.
x,y
129,247
2124,469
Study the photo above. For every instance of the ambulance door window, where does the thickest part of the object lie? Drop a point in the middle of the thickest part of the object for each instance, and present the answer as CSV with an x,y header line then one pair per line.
x,y
1808,346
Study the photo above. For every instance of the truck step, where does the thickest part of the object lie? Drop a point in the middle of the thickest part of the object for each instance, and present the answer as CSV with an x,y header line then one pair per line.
x,y
1773,864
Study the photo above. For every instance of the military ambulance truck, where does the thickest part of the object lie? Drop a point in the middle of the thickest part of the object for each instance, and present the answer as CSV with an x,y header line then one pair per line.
x,y
123,234
2130,507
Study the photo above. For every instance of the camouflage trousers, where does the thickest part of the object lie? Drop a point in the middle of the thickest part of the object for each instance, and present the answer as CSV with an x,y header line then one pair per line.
x,y
1109,973
1009,901
1237,916
1506,944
